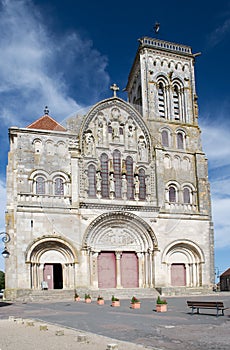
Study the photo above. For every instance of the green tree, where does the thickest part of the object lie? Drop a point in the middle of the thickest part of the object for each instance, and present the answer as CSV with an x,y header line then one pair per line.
x,y
2,280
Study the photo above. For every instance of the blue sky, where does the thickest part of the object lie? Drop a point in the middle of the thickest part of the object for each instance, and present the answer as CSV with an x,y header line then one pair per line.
x,y
66,54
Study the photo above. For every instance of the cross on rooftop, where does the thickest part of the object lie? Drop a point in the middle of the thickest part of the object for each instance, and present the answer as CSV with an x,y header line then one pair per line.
x,y
115,88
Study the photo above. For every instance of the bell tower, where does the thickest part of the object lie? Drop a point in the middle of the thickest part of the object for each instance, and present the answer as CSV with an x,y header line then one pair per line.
x,y
161,84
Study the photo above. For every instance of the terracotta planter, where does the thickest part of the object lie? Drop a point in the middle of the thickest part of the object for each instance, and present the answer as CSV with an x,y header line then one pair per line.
x,y
77,298
116,303
135,305
88,300
100,302
161,307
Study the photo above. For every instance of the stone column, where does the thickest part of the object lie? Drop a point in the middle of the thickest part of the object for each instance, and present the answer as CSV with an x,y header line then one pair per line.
x,y
146,270
118,269
141,267
94,269
188,275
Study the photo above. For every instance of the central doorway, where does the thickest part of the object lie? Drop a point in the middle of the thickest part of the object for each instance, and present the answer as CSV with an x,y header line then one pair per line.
x,y
53,275
107,270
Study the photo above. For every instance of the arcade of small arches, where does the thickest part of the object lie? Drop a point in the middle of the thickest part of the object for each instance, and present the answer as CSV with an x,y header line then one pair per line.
x,y
167,139
185,194
43,183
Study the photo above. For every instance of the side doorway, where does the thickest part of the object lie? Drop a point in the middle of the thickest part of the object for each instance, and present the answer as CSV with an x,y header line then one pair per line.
x,y
53,275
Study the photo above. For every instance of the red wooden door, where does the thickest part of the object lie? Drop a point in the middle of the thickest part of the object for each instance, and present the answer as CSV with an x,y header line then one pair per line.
x,y
129,270
178,275
48,275
106,270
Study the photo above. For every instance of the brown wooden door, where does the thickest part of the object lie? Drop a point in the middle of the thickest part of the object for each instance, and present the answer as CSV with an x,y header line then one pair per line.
x,y
129,270
106,270
48,275
178,275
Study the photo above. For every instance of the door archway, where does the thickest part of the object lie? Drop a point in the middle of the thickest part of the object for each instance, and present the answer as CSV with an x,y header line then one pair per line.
x,y
52,259
121,251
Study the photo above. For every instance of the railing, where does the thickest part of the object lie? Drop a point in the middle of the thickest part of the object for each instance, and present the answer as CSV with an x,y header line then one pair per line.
x,y
43,200
180,207
166,45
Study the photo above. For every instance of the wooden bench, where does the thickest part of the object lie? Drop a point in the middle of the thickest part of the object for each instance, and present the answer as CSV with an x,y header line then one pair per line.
x,y
217,305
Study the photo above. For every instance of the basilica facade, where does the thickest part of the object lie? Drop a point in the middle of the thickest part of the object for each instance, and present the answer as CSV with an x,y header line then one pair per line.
x,y
118,197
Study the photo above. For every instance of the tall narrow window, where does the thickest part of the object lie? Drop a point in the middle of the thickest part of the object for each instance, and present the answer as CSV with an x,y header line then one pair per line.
x,y
172,194
40,185
92,181
129,177
165,138
176,106
104,176
180,140
117,172
186,195
161,100
142,194
59,186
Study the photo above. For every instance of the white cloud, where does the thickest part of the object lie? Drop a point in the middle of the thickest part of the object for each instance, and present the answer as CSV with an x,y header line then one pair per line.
x,y
219,33
38,68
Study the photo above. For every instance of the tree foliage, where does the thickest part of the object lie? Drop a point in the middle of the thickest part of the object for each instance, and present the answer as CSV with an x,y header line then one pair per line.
x,y
2,280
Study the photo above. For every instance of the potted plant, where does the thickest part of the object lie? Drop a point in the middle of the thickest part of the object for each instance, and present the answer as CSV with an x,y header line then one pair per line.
x,y
100,300
76,296
115,301
135,303
88,298
161,305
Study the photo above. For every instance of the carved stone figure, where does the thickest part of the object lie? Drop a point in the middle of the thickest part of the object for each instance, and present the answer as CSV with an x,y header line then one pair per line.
x,y
124,187
89,143
115,124
111,185
142,151
98,184
136,187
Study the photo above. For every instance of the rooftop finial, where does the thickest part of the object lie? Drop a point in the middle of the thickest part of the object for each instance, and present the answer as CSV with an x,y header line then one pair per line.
x,y
157,27
46,111
115,88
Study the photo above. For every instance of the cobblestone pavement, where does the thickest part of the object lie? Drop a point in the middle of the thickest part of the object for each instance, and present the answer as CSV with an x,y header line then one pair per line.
x,y
175,329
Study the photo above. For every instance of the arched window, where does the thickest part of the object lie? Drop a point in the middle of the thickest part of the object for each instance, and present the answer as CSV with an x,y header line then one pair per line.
x,y
104,176
180,140
117,172
176,104
92,181
172,194
129,177
40,185
187,195
165,138
141,176
161,100
59,187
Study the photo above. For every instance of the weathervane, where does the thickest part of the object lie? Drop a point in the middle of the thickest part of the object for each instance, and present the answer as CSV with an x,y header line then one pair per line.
x,y
157,27
46,111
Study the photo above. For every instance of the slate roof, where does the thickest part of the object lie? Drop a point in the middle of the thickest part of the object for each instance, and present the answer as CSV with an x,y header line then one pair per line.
x,y
46,123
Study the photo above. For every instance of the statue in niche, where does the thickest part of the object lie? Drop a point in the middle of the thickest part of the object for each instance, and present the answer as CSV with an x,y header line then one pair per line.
x,y
124,187
142,149
86,183
115,123
112,185
89,143
98,184
100,128
131,132
136,186
148,188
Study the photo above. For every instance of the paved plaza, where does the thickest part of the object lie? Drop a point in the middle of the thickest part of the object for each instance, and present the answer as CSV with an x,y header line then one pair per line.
x,y
102,325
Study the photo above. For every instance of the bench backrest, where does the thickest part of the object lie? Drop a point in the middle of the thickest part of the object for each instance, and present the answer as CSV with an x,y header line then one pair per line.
x,y
206,303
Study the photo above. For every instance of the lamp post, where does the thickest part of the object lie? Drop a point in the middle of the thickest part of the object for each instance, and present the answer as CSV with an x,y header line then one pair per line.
x,y
5,239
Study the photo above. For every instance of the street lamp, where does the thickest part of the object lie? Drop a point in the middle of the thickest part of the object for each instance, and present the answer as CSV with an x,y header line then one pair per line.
x,y
5,239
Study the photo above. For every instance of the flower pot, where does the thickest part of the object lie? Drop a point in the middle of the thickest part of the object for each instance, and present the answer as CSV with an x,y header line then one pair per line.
x,y
88,300
135,305
77,298
161,307
100,302
116,303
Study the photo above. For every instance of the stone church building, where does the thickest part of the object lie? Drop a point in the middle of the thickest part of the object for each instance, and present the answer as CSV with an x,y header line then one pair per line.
x,y
118,197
